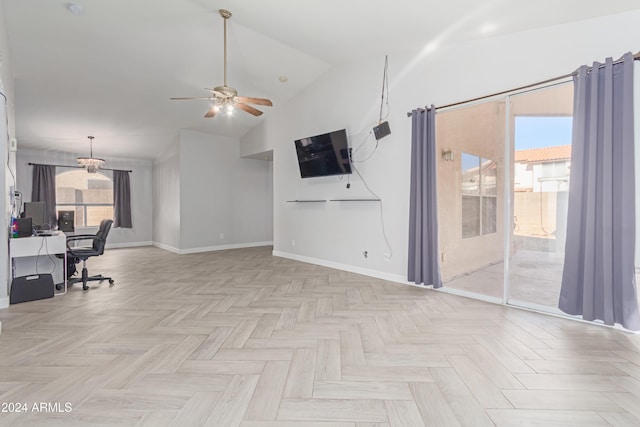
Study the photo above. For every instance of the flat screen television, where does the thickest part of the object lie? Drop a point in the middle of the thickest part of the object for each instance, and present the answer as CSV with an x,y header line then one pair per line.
x,y
324,155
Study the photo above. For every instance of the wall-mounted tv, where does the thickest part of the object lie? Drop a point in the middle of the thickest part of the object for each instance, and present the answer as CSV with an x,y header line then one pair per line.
x,y
324,155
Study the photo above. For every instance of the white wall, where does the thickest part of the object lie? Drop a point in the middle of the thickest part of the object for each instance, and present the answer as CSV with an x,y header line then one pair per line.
x,y
166,200
6,158
141,181
337,233
225,200
636,108
141,192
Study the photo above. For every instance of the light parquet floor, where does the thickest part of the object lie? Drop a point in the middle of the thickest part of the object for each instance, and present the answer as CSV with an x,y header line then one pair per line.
x,y
241,338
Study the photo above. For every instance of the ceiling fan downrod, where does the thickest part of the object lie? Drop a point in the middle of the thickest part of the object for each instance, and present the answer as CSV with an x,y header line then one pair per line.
x,y
225,15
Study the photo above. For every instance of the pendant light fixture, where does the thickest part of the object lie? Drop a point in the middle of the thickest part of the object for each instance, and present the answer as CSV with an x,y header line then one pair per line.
x,y
91,163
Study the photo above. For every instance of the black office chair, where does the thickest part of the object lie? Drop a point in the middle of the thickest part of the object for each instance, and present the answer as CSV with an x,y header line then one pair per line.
x,y
82,253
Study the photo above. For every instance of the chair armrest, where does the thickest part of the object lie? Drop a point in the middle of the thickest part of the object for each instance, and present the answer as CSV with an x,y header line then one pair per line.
x,y
80,237
91,237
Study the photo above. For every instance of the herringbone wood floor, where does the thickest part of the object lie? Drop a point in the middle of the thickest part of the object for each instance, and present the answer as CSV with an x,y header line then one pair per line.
x,y
241,338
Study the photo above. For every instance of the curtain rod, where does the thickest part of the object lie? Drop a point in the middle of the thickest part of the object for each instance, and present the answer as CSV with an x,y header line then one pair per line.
x,y
77,167
529,86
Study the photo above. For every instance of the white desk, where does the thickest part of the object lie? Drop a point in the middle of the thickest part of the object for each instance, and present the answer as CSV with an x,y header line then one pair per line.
x,y
41,246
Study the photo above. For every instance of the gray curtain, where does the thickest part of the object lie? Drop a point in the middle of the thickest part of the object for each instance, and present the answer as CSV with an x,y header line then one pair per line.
x,y
598,281
121,199
424,262
43,189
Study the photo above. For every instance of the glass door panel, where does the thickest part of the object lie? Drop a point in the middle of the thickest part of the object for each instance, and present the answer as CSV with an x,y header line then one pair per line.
x,y
470,199
541,123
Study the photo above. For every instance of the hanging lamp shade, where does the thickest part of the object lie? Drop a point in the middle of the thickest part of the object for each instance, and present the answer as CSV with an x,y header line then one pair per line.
x,y
91,164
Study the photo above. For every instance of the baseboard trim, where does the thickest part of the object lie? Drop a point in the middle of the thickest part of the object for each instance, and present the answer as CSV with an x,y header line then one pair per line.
x,y
4,302
167,247
225,247
350,268
212,248
128,245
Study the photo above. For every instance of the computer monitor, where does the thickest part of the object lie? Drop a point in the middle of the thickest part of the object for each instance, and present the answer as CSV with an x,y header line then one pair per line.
x,y
35,211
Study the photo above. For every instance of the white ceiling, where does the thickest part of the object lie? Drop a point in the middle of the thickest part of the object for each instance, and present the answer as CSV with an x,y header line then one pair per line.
x,y
111,71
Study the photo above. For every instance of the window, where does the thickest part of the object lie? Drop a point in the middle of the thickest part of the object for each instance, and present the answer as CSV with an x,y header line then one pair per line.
x,y
89,195
478,196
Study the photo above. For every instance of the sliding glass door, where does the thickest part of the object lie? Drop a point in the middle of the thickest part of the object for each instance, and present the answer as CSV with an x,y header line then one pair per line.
x,y
503,181
541,162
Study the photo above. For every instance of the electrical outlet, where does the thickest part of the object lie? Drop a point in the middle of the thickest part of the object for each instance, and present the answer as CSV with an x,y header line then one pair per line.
x,y
365,254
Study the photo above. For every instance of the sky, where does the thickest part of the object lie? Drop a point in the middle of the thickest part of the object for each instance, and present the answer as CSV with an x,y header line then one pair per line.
x,y
533,132
537,132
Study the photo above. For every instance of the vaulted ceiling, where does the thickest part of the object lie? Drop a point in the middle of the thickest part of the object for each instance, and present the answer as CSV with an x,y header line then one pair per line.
x,y
109,69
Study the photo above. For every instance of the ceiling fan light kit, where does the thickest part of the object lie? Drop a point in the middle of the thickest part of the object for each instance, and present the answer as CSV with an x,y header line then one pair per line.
x,y
225,98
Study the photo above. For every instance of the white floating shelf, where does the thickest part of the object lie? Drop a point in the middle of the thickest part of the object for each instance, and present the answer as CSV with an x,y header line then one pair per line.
x,y
355,200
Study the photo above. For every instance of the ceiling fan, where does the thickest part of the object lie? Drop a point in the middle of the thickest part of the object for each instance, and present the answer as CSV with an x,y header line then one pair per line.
x,y
226,97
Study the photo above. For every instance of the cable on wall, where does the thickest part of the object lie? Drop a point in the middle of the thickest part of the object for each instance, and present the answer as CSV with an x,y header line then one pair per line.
x,y
384,101
384,232
44,243
385,90
6,118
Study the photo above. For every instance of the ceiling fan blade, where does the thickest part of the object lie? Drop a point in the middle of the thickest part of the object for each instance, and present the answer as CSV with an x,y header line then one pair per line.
x,y
211,112
257,101
249,109
197,97
224,95
215,92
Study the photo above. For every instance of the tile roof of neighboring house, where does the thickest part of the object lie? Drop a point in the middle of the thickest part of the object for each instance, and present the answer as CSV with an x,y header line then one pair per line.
x,y
546,154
